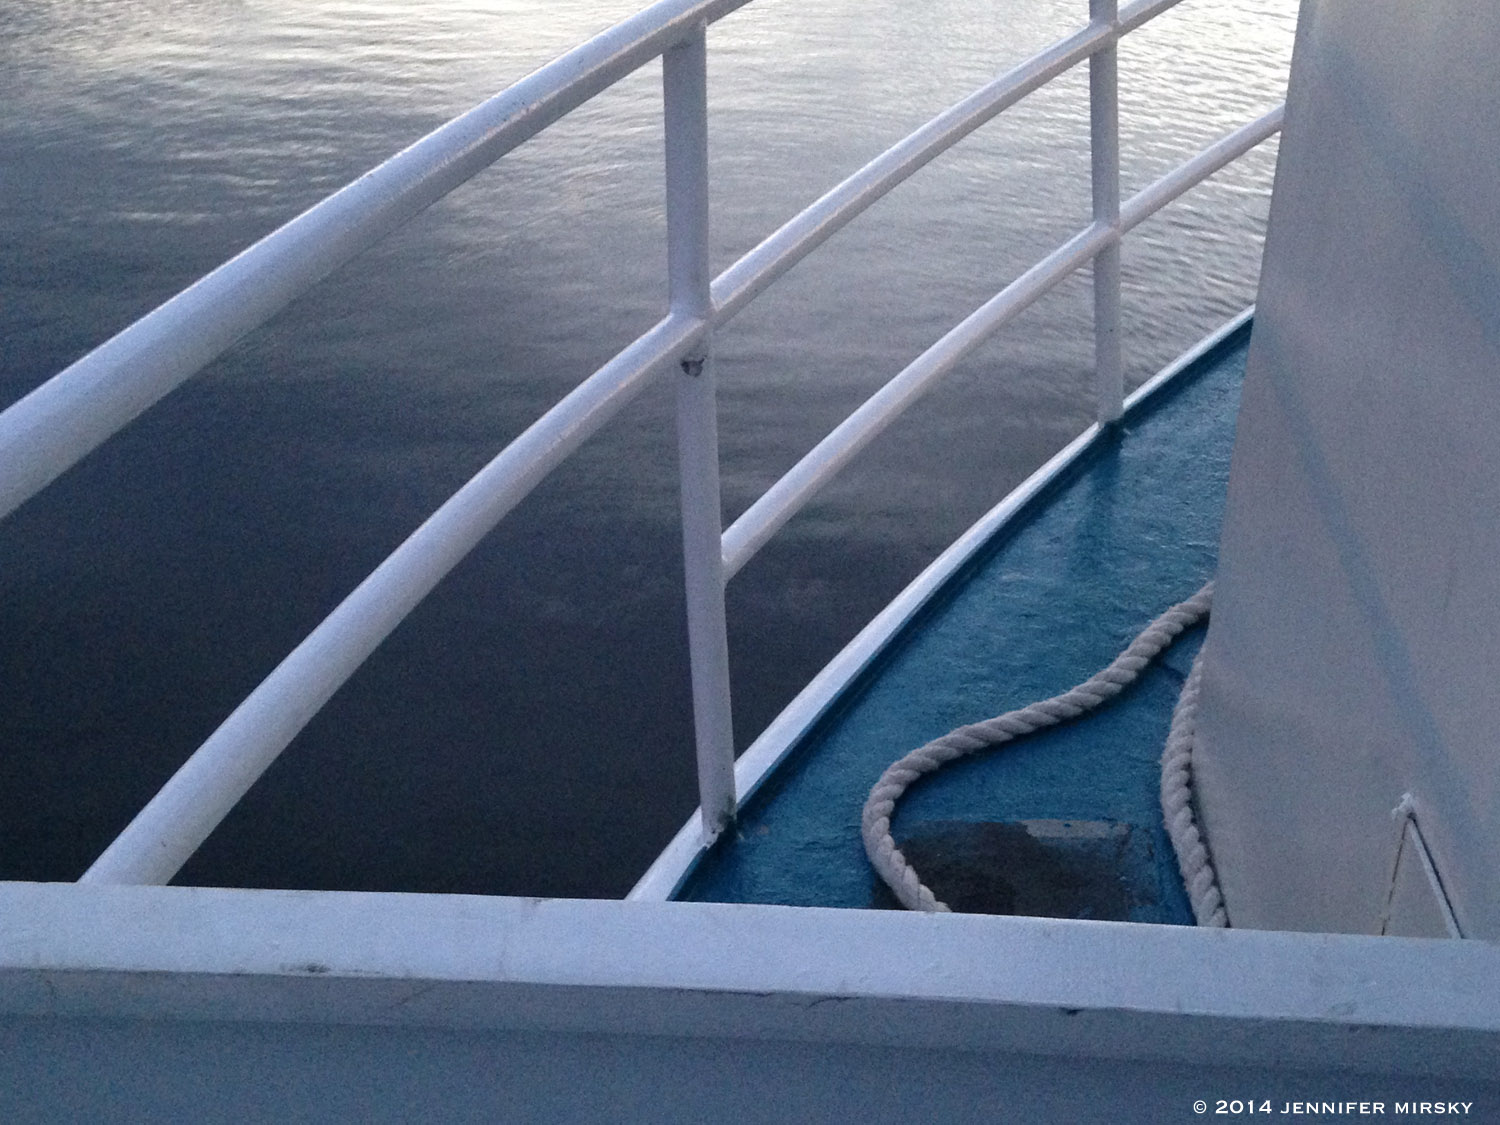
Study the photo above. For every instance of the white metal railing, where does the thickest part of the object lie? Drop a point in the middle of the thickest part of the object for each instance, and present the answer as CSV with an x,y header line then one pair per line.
x,y
58,423
782,500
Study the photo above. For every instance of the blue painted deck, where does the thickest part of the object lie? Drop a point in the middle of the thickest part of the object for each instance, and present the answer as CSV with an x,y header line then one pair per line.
x,y
1132,528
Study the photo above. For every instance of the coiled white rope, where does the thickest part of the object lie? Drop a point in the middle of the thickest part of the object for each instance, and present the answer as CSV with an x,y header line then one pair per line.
x,y
1192,856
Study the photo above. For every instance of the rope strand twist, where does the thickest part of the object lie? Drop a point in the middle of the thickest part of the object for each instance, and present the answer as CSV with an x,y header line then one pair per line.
x,y
1197,870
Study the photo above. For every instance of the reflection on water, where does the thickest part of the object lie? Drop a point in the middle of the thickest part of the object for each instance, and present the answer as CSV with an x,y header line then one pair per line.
x,y
527,730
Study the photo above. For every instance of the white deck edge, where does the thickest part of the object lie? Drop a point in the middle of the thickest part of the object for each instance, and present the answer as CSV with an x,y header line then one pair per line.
x,y
1029,986
676,861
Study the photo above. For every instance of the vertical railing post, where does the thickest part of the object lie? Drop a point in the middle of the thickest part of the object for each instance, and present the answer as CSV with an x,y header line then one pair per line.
x,y
1104,147
685,94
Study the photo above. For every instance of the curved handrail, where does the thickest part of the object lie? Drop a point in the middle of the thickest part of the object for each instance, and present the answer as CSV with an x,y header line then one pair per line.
x,y
58,423
200,794
54,426
742,282
798,485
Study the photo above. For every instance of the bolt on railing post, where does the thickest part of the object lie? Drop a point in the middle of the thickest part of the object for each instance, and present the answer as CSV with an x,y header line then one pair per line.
x,y
1104,147
685,96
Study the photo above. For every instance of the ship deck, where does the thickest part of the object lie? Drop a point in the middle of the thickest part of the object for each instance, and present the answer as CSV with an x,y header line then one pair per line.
x,y
1063,823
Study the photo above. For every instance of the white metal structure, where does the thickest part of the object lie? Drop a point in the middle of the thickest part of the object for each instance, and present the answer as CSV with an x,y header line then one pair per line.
x,y
201,1004
1378,342
762,756
61,421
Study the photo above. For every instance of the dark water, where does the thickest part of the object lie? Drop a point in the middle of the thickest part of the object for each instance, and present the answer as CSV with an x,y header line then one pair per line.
x,y
527,730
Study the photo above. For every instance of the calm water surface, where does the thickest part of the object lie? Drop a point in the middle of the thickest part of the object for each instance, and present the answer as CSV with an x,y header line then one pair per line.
x,y
527,730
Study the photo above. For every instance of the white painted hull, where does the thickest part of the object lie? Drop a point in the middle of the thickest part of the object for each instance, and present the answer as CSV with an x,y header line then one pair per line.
x,y
177,1003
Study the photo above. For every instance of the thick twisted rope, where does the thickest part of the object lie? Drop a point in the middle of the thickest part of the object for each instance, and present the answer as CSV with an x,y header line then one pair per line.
x,y
902,878
1198,874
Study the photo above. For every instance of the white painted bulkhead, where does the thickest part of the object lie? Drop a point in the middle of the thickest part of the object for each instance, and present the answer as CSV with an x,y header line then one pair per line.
x,y
195,1004
1355,647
